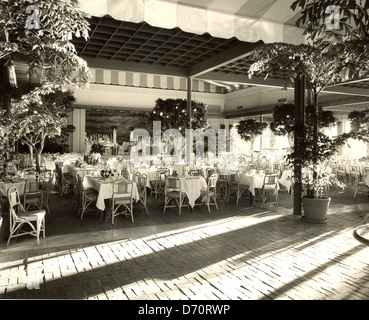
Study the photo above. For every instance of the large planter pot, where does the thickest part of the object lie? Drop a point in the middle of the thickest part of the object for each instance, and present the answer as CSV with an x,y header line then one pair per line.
x,y
315,210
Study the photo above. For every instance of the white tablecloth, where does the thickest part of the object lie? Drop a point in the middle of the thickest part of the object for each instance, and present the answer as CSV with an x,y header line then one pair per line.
x,y
254,181
285,179
80,171
192,187
151,174
5,186
50,165
367,180
178,167
105,189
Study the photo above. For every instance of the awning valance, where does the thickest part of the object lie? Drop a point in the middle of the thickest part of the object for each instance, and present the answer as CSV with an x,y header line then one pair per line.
x,y
270,22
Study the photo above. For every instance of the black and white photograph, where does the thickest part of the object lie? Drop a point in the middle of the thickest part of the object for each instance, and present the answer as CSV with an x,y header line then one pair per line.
x,y
184,156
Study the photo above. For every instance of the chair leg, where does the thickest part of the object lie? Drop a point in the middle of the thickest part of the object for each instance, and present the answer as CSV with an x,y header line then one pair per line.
x,y
38,230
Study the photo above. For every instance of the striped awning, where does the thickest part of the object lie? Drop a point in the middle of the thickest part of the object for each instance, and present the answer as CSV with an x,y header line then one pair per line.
x,y
247,20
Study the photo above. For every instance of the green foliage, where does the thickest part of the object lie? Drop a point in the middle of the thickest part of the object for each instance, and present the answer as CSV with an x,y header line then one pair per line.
x,y
348,45
312,159
359,125
249,129
38,113
36,118
59,143
353,19
48,50
283,119
293,61
7,139
97,148
173,114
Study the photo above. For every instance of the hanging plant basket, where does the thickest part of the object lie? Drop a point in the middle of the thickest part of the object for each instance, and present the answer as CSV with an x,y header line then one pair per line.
x,y
249,129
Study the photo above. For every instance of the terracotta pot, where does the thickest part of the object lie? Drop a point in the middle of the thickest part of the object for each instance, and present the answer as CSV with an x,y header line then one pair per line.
x,y
315,210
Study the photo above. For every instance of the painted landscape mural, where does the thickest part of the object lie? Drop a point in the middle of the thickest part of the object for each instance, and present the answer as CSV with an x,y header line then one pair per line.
x,y
100,123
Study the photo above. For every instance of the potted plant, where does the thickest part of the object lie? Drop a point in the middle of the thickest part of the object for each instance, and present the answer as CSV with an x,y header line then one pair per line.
x,y
314,158
315,201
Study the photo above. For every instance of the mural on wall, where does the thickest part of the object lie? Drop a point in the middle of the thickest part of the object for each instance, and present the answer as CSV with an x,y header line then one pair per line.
x,y
100,124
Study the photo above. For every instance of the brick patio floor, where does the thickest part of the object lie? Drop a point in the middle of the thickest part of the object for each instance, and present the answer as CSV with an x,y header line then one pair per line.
x,y
243,252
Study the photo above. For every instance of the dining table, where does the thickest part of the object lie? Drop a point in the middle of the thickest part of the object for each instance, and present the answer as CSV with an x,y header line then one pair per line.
x,y
252,180
5,185
104,187
192,186
71,168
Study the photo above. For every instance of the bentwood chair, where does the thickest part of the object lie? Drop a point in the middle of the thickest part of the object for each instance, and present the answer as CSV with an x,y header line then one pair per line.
x,y
236,188
209,173
277,168
341,173
173,193
354,174
209,195
159,183
195,173
361,186
65,181
122,199
46,193
33,194
142,190
87,198
75,189
222,186
35,219
269,190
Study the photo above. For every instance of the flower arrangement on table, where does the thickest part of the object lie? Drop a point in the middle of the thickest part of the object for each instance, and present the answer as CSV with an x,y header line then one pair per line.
x,y
107,173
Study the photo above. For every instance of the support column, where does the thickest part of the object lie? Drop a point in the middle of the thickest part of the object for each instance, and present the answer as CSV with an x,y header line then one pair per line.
x,y
261,137
299,137
340,130
4,88
189,101
78,119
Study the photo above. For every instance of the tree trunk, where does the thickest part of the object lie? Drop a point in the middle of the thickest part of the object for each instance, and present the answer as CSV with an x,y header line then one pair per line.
x,y
299,136
316,129
31,155
39,153
38,160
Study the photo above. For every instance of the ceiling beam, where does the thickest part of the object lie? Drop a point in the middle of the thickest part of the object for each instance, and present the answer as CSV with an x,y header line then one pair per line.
x,y
234,54
356,91
135,67
343,107
242,79
279,83
344,100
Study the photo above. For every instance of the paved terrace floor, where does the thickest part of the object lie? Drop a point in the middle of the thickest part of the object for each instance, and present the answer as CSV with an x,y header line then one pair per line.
x,y
243,252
